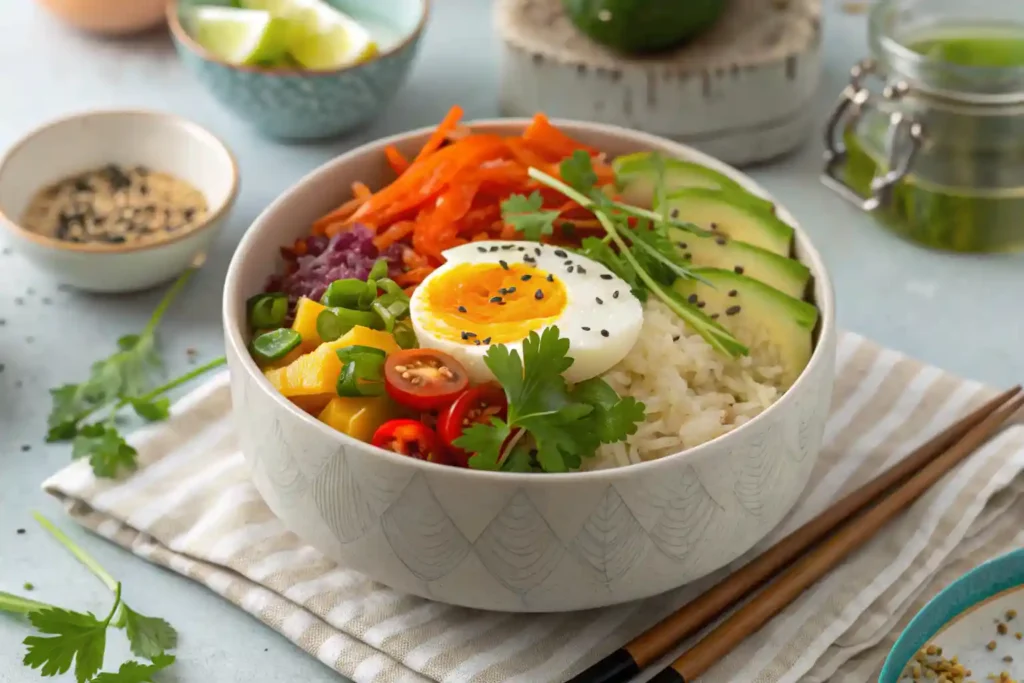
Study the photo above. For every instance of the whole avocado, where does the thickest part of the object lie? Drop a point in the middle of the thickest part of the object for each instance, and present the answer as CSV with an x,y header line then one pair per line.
x,y
638,26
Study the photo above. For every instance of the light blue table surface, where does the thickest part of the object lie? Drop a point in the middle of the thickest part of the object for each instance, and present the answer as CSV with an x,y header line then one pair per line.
x,y
961,313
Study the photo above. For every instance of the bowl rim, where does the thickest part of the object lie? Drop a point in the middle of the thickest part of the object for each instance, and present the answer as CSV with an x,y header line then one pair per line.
x,y
810,255
183,38
212,219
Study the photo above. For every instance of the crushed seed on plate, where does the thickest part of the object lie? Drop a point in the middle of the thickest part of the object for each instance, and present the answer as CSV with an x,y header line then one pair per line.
x,y
115,205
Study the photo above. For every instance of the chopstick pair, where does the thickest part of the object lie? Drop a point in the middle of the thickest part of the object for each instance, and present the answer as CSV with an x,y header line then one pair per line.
x,y
801,558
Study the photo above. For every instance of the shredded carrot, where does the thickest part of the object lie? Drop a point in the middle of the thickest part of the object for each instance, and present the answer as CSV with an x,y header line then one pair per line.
x,y
361,191
440,134
551,142
414,276
399,164
396,232
339,214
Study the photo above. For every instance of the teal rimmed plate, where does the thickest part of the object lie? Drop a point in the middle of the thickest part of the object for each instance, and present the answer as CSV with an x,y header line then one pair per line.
x,y
964,620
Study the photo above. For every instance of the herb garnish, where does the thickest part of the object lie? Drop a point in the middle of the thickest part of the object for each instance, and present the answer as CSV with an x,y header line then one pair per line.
x,y
79,639
527,215
643,255
119,381
564,424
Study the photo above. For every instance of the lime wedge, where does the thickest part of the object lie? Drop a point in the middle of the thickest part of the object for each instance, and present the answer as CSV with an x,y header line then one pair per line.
x,y
241,36
319,36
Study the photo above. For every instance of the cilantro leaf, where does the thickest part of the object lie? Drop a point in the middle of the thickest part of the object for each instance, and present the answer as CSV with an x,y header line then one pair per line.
x,y
656,254
599,251
105,448
485,442
519,459
149,636
135,672
527,215
151,409
578,172
534,384
613,417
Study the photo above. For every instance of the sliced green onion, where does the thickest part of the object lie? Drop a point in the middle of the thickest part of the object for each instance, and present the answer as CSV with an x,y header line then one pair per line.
x,y
344,293
385,315
392,287
379,270
368,296
275,345
357,351
267,310
334,322
363,376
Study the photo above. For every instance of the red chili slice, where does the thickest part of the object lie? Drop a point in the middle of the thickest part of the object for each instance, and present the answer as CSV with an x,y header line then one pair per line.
x,y
411,438
424,379
475,406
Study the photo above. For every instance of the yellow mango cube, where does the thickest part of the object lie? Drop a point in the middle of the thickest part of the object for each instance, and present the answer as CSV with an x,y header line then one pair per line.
x,y
306,313
358,417
317,372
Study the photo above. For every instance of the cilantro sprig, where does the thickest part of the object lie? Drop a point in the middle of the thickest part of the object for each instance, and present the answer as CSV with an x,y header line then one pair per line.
x,y
122,380
68,639
564,424
642,255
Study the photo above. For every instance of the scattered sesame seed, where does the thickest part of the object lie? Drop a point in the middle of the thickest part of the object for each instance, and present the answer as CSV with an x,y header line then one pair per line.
x,y
508,247
702,304
511,290
732,310
674,213
494,249
733,292
465,335
604,333
580,270
714,226
586,329
482,250
598,300
521,249
538,295
681,245
503,264
25,448
487,340
676,337
615,294
462,309
537,251
714,316
20,531
476,342
692,298
529,259
503,291
560,254
469,335
720,240
739,270
495,299
550,278
606,276
569,269
526,278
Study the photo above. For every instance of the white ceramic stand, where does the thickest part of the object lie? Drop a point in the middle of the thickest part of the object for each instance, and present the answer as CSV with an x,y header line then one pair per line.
x,y
740,92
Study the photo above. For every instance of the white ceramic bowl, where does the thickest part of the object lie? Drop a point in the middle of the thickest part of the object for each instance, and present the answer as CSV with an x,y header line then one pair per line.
x,y
515,542
163,142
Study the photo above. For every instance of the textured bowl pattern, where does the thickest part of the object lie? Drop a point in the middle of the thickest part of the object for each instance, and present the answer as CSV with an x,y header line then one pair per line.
x,y
517,542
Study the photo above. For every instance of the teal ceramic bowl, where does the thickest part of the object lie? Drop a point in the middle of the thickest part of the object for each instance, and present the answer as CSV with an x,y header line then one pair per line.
x,y
292,104
962,616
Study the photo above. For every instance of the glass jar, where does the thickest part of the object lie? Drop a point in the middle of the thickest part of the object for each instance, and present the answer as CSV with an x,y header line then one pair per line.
x,y
929,134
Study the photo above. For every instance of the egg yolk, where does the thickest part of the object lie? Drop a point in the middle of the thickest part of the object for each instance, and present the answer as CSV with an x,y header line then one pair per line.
x,y
489,303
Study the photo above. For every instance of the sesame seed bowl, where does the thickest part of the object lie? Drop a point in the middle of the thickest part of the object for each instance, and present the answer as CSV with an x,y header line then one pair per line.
x,y
116,201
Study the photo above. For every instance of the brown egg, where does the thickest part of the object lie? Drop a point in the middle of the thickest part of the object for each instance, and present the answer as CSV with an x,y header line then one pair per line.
x,y
109,17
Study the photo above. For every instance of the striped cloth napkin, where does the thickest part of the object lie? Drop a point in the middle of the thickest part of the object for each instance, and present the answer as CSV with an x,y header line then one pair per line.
x,y
191,507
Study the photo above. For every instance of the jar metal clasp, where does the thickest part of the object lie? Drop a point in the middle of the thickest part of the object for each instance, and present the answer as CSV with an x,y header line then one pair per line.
x,y
903,139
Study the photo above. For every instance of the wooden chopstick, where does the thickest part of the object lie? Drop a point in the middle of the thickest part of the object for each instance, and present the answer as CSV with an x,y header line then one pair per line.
x,y
791,583
659,640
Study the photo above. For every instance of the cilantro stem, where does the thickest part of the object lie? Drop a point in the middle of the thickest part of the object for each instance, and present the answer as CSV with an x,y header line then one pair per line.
x,y
165,302
173,384
113,608
15,604
91,564
711,332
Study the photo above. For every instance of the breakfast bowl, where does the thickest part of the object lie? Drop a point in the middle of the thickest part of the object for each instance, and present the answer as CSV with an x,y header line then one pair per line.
x,y
520,541
170,182
107,17
291,103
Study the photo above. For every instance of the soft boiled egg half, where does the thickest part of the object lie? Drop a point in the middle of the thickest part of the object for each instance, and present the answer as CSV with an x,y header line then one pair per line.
x,y
499,292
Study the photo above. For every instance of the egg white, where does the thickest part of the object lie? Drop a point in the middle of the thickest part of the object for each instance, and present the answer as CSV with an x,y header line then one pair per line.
x,y
620,314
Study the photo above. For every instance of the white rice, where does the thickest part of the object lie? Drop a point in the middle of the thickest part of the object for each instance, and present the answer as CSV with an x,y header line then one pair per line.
x,y
692,392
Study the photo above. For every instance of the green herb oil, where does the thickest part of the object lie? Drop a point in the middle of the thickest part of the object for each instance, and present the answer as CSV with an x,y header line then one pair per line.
x,y
965,191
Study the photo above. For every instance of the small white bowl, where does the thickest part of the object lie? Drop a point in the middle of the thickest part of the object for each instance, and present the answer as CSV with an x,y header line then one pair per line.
x,y
162,142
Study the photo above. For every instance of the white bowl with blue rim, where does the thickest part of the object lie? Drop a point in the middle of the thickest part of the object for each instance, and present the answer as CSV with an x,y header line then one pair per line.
x,y
294,104
964,620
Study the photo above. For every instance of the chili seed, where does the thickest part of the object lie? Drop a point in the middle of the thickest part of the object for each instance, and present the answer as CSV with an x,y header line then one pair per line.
x,y
538,295
604,333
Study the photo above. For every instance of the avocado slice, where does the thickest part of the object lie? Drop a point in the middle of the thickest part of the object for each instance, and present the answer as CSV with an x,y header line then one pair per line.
x,y
637,173
721,211
775,326
787,275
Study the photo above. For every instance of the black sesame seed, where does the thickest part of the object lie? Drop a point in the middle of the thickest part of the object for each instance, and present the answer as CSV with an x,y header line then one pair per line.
x,y
482,250
604,333
714,226
606,276
580,270
702,304
476,342
511,290
521,249
720,240
25,448
674,213
508,247
688,256
529,259
739,270
615,294
469,335
526,278
675,337
538,295
550,278
20,531
537,250
692,298
732,310
462,309
504,266
494,248
560,254
733,292
465,335
501,303
598,300
681,245
495,299
487,340
569,269
502,291
714,316
586,329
